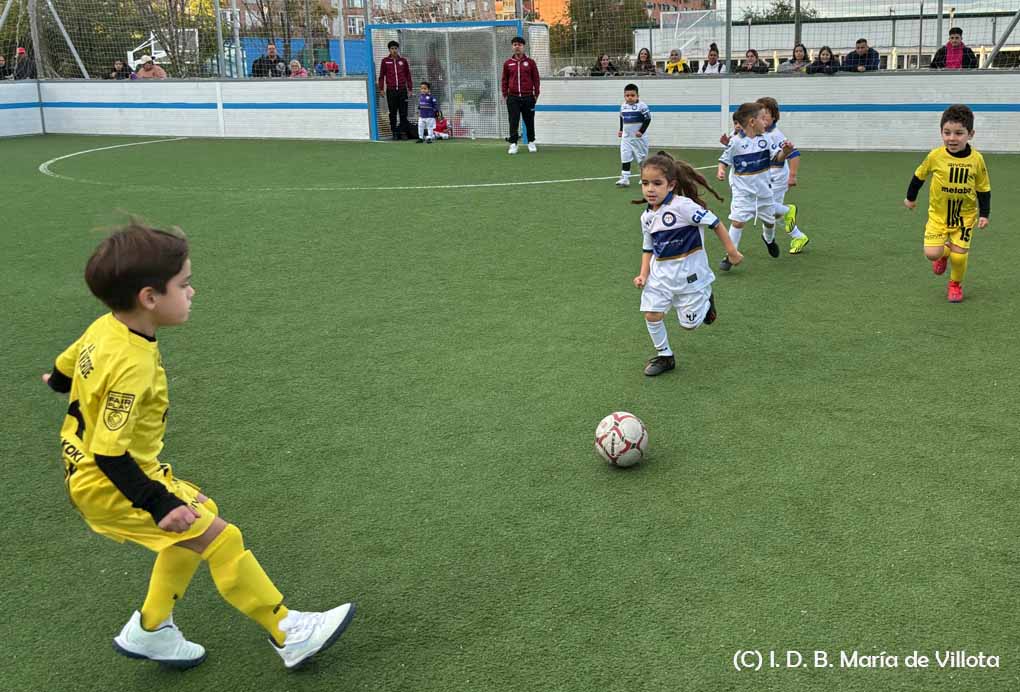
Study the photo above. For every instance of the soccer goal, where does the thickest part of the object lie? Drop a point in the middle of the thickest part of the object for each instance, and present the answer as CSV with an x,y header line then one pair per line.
x,y
463,62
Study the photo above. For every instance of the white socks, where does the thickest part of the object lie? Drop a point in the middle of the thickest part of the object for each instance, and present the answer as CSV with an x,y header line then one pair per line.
x,y
735,234
796,232
657,330
769,234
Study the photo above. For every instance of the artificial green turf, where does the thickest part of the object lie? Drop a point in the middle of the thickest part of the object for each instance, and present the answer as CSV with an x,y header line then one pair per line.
x,y
393,394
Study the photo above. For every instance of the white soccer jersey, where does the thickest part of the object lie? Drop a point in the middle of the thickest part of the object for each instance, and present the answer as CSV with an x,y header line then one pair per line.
x,y
749,159
675,235
634,115
780,171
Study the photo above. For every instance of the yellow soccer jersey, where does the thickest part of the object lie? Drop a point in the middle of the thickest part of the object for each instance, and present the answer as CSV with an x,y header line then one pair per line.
x,y
955,182
118,397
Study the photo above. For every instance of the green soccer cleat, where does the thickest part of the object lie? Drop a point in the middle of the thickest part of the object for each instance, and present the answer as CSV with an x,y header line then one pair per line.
x,y
790,218
797,245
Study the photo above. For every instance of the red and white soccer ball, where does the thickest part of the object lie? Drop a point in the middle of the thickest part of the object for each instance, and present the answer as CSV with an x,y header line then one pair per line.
x,y
621,439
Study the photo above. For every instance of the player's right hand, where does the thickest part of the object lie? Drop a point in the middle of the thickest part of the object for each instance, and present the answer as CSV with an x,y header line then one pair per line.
x,y
719,175
179,519
46,378
908,204
639,281
620,133
736,257
724,140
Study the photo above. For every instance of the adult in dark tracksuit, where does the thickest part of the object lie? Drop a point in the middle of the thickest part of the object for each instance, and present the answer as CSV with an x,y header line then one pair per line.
x,y
521,85
395,80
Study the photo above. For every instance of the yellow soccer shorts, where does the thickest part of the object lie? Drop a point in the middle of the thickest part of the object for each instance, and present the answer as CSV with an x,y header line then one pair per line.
x,y
109,513
937,233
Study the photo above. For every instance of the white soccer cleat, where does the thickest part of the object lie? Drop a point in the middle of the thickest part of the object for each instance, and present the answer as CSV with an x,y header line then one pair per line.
x,y
164,645
512,149
532,147
309,633
624,181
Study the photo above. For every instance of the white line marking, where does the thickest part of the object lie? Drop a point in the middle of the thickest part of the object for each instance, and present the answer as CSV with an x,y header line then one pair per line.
x,y
44,168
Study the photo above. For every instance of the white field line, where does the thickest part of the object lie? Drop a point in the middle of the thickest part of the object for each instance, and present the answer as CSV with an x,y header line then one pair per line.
x,y
45,169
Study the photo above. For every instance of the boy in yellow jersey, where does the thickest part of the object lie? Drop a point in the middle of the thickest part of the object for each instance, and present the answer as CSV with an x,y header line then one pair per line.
x,y
111,440
960,198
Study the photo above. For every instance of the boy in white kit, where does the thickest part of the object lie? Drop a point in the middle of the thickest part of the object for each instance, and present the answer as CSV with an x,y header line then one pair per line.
x,y
634,121
784,174
749,157
675,272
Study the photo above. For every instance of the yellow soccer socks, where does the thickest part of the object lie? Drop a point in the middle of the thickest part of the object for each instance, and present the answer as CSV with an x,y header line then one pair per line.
x,y
243,583
171,574
958,266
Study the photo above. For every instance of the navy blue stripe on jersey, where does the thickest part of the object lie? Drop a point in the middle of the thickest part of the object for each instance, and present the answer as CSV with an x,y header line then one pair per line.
x,y
673,243
632,116
753,163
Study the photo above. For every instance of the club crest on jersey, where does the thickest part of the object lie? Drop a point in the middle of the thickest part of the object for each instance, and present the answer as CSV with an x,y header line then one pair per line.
x,y
762,144
118,408
669,219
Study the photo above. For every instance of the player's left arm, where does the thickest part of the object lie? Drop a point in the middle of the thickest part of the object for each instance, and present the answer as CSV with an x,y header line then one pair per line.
x,y
646,120
793,160
983,187
732,253
784,152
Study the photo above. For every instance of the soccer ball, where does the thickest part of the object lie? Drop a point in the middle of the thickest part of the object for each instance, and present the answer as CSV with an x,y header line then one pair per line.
x,y
621,439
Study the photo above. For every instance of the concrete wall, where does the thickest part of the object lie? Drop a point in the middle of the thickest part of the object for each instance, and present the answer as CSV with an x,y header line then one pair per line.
x,y
288,109
875,111
19,109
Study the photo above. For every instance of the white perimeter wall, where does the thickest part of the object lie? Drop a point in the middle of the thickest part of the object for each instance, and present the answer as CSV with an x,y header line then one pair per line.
x,y
847,111
19,109
333,109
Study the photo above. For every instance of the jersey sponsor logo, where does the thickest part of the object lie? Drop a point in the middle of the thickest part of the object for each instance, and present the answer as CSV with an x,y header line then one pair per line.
x,y
85,366
117,410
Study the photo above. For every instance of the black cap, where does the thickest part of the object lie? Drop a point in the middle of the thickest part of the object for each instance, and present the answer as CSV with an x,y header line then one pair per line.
x,y
518,39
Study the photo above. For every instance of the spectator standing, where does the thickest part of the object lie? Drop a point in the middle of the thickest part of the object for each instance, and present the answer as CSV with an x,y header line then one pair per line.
x,y
954,55
395,80
147,69
270,64
296,71
862,58
752,63
520,85
799,62
331,68
604,67
644,66
676,63
825,62
24,67
5,71
712,65
121,71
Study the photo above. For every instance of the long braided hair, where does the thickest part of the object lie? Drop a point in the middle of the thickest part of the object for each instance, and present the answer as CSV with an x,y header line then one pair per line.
x,y
684,179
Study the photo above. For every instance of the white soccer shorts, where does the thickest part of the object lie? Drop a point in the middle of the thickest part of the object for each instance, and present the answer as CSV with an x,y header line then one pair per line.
x,y
633,149
744,208
423,123
691,306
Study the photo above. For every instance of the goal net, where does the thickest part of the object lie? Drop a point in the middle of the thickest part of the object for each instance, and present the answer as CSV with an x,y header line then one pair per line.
x,y
463,65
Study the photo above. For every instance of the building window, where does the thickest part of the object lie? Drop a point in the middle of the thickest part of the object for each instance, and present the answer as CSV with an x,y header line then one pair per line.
x,y
355,26
355,3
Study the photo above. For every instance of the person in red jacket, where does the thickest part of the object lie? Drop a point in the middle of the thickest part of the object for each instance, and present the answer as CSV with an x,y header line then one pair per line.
x,y
395,80
520,89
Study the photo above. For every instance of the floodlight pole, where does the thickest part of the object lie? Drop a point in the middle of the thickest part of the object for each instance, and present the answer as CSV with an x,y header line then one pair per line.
x,y
729,35
796,23
3,17
235,17
221,59
938,25
341,30
1002,40
63,31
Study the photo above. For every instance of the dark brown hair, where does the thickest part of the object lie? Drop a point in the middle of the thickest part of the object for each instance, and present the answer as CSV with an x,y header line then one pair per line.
x,y
771,105
746,111
958,113
682,176
131,258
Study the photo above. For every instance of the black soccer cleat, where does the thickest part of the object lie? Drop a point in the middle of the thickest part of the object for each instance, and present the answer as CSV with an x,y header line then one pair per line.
x,y
773,247
711,314
659,365
725,264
